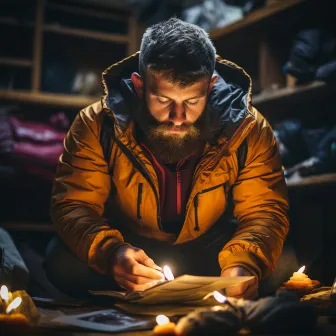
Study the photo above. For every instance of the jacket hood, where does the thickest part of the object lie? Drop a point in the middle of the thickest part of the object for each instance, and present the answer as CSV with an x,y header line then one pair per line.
x,y
229,99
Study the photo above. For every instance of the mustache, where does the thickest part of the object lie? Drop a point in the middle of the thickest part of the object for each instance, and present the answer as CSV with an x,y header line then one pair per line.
x,y
148,124
169,125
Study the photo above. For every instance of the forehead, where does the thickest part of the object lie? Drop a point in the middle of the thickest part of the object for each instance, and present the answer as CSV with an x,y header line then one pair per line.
x,y
158,85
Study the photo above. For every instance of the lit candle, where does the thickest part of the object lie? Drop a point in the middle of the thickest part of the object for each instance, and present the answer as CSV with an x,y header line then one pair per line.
x,y
168,273
10,319
4,293
14,304
164,326
223,299
300,277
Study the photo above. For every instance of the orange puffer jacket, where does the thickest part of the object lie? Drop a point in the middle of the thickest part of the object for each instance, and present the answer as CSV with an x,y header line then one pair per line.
x,y
88,190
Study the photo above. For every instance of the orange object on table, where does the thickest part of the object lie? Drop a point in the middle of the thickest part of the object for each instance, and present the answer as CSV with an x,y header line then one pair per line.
x,y
164,326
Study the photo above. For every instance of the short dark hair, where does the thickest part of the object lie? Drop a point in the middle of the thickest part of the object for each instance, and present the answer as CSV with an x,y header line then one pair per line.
x,y
179,51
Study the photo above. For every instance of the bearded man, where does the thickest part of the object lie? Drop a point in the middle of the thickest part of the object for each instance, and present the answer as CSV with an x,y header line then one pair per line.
x,y
175,166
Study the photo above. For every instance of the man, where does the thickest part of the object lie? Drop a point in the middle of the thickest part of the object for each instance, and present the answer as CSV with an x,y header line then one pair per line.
x,y
149,174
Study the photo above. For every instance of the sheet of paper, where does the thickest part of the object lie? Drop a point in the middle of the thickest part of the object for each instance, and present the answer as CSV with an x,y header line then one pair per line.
x,y
186,289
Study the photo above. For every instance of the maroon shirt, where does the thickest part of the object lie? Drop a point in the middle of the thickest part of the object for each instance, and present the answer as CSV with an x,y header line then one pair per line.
x,y
175,185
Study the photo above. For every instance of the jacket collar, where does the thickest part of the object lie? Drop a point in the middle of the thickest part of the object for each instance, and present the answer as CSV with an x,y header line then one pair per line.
x,y
229,100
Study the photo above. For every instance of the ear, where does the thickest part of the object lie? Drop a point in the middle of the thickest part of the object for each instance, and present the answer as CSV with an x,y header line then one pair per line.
x,y
212,82
138,83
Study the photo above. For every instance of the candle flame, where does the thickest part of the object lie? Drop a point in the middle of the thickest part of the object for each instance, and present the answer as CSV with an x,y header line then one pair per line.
x,y
14,304
4,293
168,273
162,319
219,297
301,270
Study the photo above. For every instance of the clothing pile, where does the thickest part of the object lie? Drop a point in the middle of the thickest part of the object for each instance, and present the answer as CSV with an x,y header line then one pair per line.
x,y
313,56
305,152
29,153
208,14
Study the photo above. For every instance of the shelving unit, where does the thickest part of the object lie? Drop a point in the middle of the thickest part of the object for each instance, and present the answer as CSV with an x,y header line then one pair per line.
x,y
16,62
255,17
86,34
292,93
10,21
314,180
260,44
44,28
48,99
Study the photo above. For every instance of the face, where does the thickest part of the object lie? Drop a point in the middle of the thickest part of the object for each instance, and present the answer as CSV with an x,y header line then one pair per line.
x,y
173,114
175,109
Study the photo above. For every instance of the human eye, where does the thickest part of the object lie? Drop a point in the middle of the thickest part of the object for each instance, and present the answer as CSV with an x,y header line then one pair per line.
x,y
162,100
192,101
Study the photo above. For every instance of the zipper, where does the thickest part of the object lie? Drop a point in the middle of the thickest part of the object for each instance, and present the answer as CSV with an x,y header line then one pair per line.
x,y
178,193
142,169
139,201
196,227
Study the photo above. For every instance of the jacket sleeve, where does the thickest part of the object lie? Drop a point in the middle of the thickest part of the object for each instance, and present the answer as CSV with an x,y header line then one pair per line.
x,y
260,206
80,190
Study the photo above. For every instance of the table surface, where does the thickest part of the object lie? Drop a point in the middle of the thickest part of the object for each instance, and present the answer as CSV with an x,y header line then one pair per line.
x,y
325,327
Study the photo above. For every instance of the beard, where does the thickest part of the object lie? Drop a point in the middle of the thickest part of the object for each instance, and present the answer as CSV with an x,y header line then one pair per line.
x,y
168,147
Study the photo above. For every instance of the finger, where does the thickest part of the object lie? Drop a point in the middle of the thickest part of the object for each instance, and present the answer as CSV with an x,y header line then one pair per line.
x,y
130,286
247,295
250,293
241,289
135,268
142,257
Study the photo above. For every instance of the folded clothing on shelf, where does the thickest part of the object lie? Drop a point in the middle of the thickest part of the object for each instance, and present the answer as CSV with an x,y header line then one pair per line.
x,y
33,147
305,152
313,55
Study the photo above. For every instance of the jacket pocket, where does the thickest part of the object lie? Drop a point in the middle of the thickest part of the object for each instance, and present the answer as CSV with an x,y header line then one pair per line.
x,y
139,201
202,192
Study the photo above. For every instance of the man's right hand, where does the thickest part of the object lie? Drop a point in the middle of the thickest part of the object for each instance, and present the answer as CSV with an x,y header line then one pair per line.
x,y
133,270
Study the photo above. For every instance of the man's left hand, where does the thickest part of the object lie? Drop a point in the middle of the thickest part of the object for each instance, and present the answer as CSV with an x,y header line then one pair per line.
x,y
247,290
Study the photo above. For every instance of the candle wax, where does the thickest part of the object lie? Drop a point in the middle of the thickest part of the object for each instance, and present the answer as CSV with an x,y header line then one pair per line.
x,y
13,319
165,329
299,277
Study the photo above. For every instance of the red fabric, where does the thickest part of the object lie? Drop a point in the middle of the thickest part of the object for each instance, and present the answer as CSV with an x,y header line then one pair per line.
x,y
37,145
43,155
173,194
35,131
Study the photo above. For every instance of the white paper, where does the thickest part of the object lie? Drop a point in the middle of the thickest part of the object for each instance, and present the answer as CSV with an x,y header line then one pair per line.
x,y
186,289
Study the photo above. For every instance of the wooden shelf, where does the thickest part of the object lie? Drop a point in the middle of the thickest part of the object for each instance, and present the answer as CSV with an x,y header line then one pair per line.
x,y
14,22
313,180
256,16
51,99
87,12
28,226
286,92
16,62
118,38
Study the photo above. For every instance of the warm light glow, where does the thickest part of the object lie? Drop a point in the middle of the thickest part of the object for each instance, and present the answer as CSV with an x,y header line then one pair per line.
x,y
4,293
301,270
219,297
14,304
162,319
168,273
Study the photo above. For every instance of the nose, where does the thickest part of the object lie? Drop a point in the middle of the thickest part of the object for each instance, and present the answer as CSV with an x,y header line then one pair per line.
x,y
178,115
